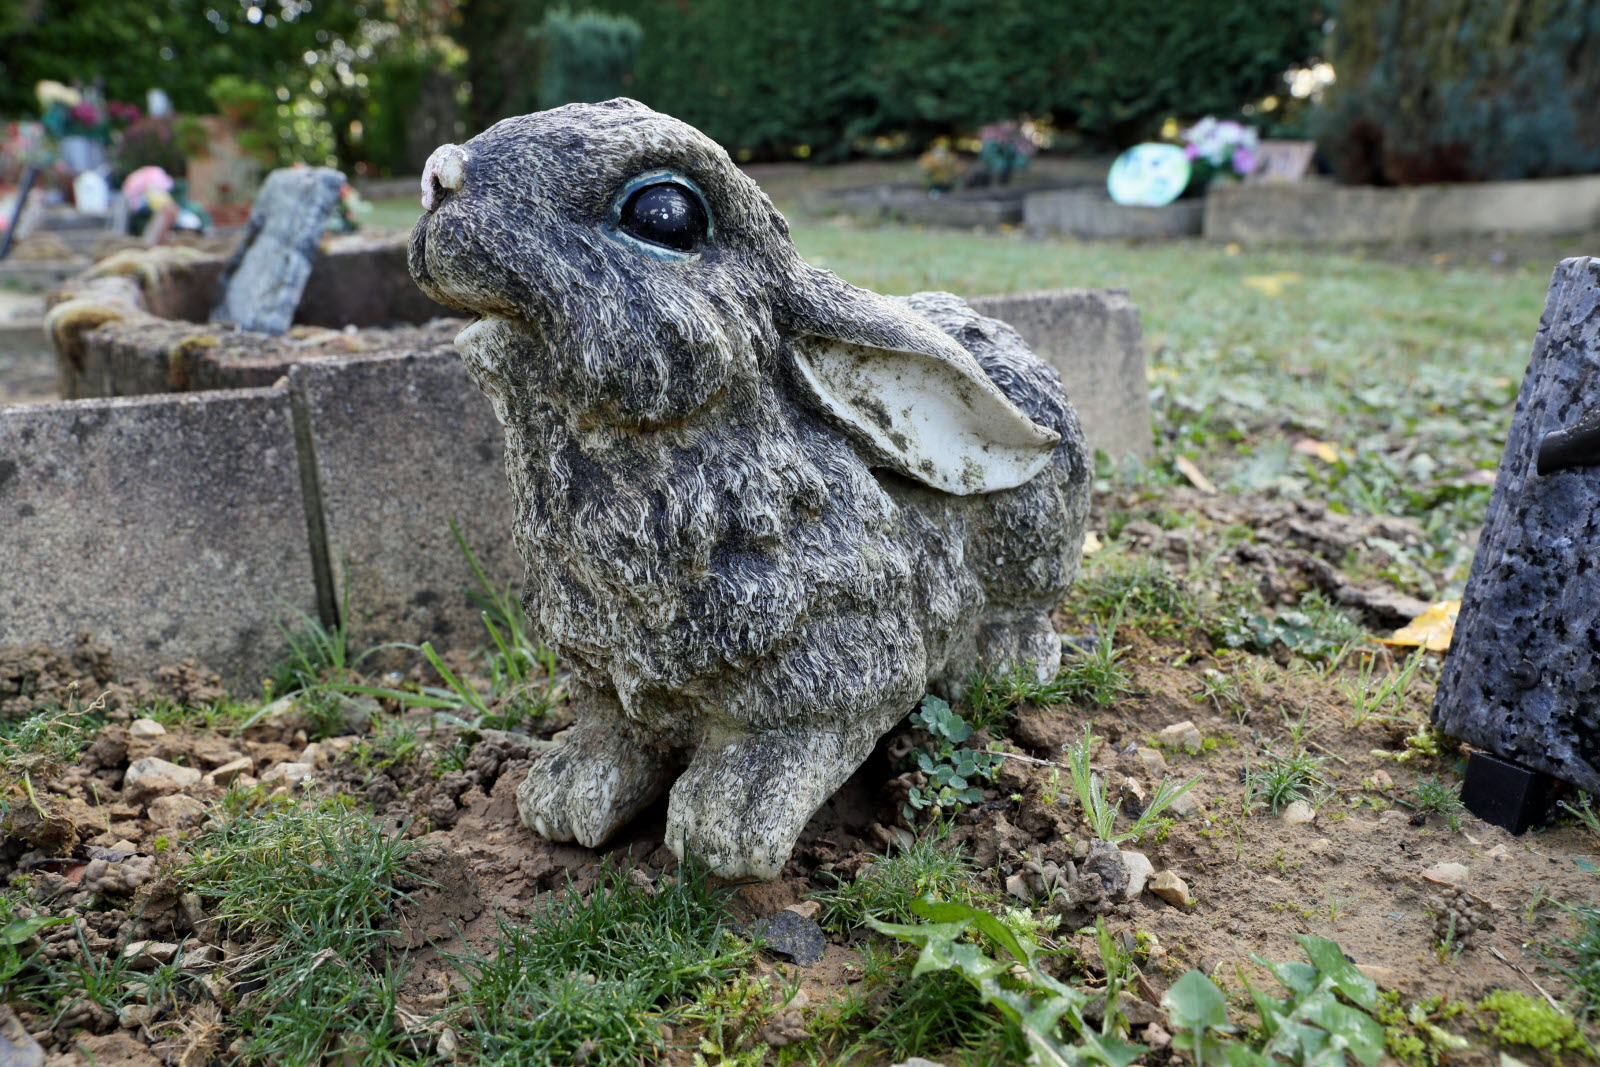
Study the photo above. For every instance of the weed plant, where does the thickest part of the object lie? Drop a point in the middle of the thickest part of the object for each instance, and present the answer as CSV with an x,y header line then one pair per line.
x,y
1437,798
1383,695
950,768
1098,811
1282,779
1318,630
886,890
1044,1014
595,978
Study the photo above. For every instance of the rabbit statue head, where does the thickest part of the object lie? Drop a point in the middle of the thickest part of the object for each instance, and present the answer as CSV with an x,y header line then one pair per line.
x,y
762,510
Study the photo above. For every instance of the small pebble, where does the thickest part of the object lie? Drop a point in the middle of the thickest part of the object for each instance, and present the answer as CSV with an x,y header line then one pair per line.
x,y
151,767
1170,888
1446,873
1184,735
145,729
1298,813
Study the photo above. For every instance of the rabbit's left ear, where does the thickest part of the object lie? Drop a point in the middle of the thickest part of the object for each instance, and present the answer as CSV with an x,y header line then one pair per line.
x,y
909,393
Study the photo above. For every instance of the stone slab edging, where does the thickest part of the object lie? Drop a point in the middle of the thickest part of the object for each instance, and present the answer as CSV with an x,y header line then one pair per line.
x,y
1318,212
168,526
190,524
1091,213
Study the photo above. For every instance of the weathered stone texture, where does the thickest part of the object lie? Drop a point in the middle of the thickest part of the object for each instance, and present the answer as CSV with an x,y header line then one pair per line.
x,y
1093,214
402,445
1523,675
1093,340
263,281
169,527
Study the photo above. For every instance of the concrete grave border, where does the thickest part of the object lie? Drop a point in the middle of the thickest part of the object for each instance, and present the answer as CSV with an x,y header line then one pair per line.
x,y
1320,212
367,461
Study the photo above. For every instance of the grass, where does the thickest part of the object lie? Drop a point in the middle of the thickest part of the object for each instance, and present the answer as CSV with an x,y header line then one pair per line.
x,y
1281,779
1439,798
315,886
1405,371
596,979
887,889
1099,811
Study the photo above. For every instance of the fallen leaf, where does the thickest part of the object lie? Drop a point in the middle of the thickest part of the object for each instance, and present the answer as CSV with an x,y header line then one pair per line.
x,y
1431,630
1092,543
1271,284
1320,449
1195,475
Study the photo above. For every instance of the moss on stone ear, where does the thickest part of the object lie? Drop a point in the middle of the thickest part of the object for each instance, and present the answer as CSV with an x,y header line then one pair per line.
x,y
1528,1021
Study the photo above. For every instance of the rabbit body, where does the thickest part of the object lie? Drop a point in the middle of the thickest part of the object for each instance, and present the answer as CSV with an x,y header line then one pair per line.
x,y
742,526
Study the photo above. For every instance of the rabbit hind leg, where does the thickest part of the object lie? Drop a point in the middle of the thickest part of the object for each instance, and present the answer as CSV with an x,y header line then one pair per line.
x,y
601,774
1019,640
740,806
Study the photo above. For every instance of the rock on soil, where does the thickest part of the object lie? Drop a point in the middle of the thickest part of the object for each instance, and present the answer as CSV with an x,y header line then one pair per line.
x,y
1172,889
151,767
1298,813
790,935
17,1048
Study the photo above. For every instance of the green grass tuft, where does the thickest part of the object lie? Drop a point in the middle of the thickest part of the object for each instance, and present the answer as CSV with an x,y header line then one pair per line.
x,y
597,978
886,889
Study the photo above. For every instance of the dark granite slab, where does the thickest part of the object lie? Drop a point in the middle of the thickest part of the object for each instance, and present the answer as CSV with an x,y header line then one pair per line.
x,y
1522,678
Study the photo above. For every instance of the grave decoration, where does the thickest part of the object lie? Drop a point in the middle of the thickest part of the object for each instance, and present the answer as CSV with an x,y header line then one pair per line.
x,y
762,511
1219,150
262,283
1148,175
1522,680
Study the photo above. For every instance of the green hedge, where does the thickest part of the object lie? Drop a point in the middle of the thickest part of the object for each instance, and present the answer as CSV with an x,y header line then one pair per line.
x,y
1463,90
767,78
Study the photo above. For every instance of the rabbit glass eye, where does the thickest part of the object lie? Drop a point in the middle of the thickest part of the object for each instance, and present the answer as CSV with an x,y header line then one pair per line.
x,y
662,214
665,214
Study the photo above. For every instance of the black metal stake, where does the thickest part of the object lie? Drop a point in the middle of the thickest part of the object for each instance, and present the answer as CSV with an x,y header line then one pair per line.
x,y
28,177
1507,794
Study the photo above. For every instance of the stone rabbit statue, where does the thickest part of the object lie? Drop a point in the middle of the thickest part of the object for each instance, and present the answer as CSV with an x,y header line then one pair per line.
x,y
762,510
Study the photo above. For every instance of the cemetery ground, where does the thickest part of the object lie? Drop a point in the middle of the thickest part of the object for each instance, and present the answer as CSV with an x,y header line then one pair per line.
x,y
339,874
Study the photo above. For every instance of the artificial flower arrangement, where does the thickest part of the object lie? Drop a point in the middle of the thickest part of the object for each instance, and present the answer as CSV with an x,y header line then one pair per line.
x,y
1006,148
1219,148
70,112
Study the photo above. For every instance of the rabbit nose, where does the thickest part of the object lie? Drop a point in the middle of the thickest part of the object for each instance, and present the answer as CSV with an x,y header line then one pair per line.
x,y
443,174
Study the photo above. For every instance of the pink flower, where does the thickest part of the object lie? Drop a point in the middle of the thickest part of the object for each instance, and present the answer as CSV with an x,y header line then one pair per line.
x,y
1191,150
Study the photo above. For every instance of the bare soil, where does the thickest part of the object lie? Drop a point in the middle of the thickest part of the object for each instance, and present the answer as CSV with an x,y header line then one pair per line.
x,y
1362,872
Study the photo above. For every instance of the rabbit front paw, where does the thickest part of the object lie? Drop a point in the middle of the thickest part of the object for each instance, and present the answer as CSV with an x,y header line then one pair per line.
x,y
741,805
596,779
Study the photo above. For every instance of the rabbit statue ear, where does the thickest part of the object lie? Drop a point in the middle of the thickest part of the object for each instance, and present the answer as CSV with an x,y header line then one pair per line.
x,y
910,394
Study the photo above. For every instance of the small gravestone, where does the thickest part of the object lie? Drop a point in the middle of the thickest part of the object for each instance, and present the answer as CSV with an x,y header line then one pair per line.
x,y
1523,676
262,283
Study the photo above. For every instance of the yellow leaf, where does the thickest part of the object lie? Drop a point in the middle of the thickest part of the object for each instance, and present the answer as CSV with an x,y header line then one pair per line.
x,y
1091,543
1195,475
1320,449
1271,284
1431,630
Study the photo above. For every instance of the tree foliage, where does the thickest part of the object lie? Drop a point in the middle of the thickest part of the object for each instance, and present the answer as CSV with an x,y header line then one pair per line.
x,y
341,74
767,78
1459,90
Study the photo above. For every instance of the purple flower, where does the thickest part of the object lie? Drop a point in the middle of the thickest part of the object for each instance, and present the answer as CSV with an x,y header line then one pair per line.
x,y
1244,161
1191,150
